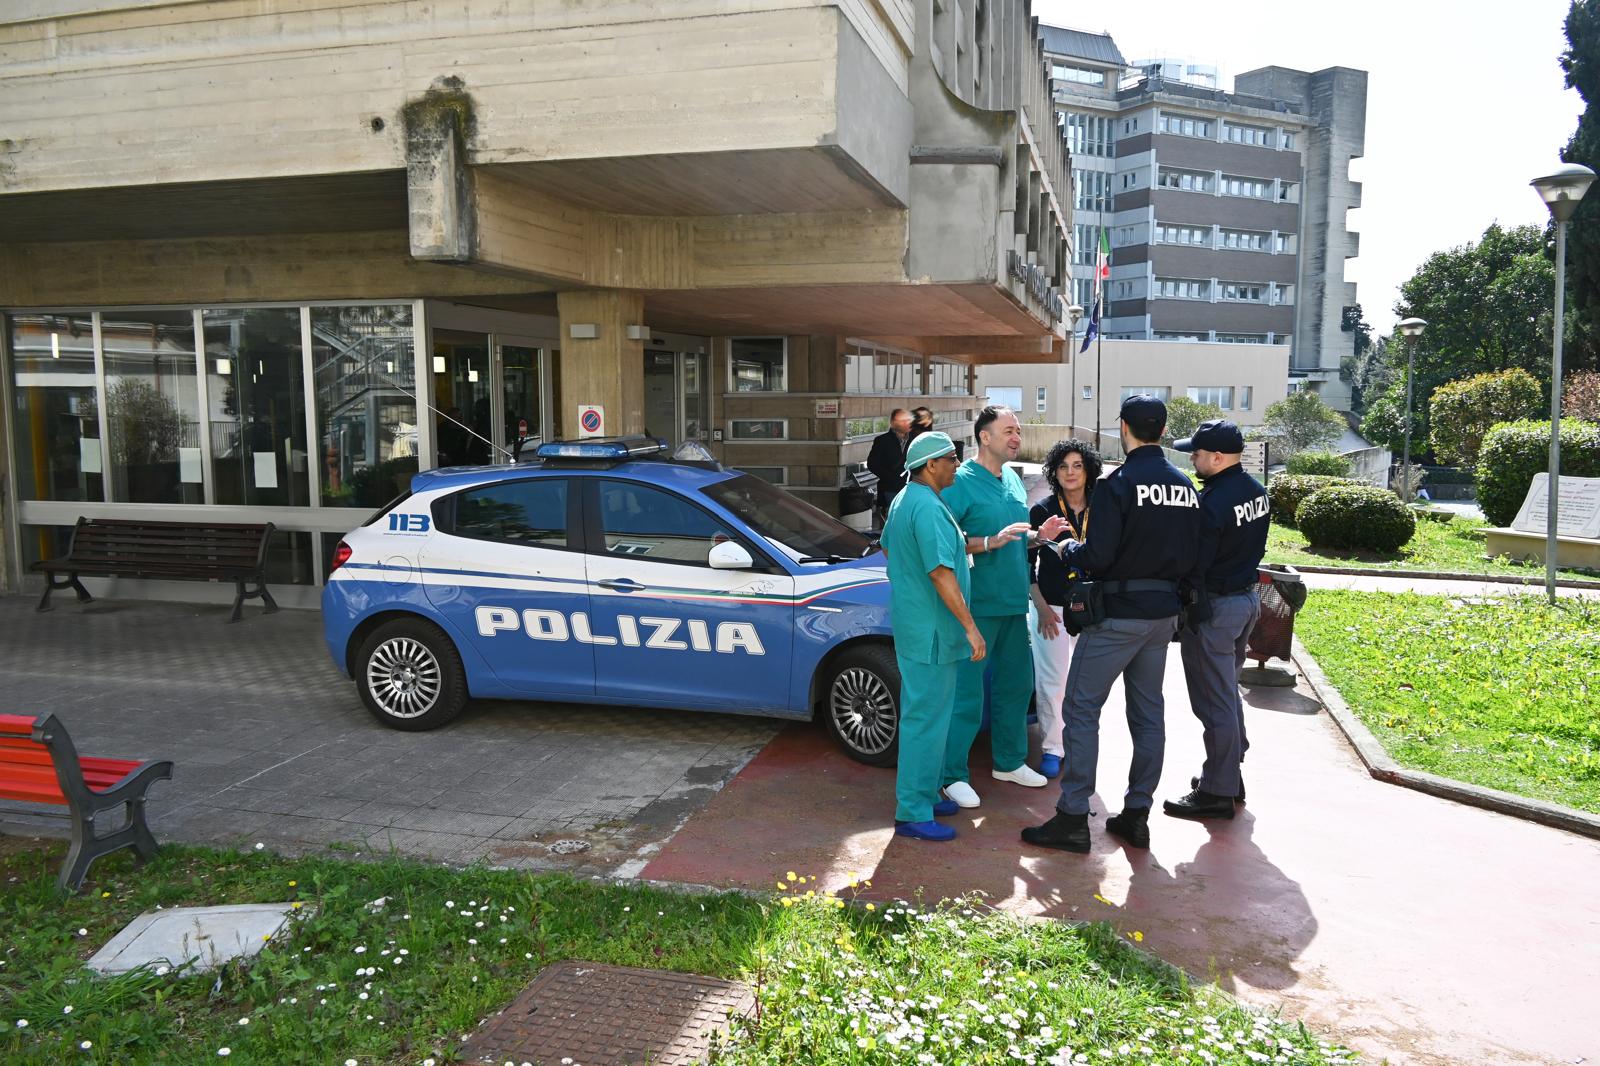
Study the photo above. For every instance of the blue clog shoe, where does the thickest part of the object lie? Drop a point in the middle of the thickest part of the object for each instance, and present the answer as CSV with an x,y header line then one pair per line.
x,y
924,831
1049,765
945,808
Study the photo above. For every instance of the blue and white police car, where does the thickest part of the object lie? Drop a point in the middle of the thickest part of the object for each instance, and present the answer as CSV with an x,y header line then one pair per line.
x,y
605,572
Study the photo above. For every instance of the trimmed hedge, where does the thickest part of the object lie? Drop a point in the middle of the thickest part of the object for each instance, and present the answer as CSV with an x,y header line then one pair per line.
x,y
1362,517
1287,490
1513,452
1327,464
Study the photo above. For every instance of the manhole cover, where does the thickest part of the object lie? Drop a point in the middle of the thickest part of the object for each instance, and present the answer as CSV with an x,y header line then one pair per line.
x,y
568,847
610,1016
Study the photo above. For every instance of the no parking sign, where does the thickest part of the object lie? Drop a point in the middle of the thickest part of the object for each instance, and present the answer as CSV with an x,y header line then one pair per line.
x,y
591,420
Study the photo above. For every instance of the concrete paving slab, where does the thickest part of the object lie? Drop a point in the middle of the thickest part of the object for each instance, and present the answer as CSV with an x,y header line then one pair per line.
x,y
272,744
194,939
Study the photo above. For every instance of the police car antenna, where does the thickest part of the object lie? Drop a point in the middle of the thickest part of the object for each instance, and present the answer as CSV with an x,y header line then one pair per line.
x,y
424,403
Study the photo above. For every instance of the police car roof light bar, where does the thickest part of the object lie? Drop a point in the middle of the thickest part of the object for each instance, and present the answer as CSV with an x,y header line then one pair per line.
x,y
634,447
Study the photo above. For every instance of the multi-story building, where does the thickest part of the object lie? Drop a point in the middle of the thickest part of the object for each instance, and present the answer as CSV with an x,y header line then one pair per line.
x,y
1225,211
263,261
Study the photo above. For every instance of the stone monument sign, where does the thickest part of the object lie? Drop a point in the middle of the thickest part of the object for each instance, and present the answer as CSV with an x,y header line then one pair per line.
x,y
1577,508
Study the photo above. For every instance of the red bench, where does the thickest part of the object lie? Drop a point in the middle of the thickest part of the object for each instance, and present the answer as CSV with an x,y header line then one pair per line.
x,y
38,764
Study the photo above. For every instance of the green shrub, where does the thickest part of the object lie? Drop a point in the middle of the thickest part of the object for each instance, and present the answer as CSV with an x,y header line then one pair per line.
x,y
1355,516
1328,464
1515,451
1461,412
1287,490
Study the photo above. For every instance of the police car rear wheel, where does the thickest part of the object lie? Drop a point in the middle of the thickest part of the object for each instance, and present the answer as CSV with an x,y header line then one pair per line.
x,y
861,705
410,676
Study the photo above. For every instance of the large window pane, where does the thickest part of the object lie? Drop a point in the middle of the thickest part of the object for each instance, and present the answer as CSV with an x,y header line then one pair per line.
x,y
58,448
364,360
152,406
257,419
758,364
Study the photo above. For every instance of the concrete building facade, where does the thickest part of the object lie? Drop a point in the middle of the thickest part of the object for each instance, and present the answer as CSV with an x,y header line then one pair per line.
x,y
263,260
1225,211
1241,379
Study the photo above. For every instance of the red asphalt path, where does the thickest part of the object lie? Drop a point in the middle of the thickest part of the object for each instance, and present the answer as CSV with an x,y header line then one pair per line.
x,y
1412,928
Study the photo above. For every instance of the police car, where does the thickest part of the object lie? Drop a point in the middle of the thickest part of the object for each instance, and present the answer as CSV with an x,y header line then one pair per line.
x,y
605,572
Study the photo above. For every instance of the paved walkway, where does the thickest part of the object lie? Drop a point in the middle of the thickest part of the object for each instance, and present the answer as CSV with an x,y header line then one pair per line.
x,y
1435,587
272,744
1413,928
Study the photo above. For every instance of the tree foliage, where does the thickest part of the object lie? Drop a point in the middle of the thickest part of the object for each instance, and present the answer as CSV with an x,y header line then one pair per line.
x,y
1461,412
1384,424
1581,62
1185,415
1489,306
1302,422
1580,396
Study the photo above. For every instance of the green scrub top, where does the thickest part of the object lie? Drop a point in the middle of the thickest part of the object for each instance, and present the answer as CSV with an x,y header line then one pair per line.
x,y
985,504
921,536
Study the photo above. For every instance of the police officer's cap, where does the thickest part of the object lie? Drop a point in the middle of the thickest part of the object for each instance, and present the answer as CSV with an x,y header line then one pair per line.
x,y
1145,415
1217,435
928,446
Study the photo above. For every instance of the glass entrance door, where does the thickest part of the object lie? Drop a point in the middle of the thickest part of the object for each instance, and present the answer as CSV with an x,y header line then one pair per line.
x,y
521,419
674,395
462,388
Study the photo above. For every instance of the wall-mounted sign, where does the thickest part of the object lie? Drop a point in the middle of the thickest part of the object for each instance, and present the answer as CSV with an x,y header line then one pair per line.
x,y
591,420
827,409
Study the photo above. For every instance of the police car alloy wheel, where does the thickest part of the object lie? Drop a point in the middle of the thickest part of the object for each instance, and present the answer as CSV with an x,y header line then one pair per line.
x,y
861,705
410,675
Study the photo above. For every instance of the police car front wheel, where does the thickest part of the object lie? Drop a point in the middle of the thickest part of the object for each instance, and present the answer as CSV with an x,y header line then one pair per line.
x,y
860,705
410,675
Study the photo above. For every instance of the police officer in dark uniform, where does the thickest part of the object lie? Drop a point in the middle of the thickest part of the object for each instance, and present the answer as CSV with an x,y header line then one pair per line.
x,y
1233,538
1139,552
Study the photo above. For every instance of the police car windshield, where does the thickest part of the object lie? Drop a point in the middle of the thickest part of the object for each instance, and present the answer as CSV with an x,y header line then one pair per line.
x,y
786,520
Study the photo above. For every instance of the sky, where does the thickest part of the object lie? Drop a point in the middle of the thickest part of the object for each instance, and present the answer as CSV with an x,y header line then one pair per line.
x,y
1465,105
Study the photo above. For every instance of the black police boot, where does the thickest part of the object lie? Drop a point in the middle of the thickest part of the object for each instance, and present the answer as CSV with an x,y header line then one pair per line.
x,y
1132,825
1198,804
1194,782
1065,832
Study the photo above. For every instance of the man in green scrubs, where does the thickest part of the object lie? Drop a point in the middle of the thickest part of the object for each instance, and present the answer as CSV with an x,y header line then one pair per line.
x,y
933,630
991,506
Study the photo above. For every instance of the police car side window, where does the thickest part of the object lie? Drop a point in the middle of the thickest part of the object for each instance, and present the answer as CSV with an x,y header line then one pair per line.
x,y
531,512
649,523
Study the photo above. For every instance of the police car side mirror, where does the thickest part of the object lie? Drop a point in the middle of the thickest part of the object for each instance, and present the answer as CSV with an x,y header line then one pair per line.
x,y
730,556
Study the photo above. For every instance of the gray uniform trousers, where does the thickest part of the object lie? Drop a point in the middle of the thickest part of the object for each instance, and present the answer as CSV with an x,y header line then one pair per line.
x,y
1211,662
1136,649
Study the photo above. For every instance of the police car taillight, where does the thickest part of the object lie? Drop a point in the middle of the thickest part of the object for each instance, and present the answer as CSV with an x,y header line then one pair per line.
x,y
341,555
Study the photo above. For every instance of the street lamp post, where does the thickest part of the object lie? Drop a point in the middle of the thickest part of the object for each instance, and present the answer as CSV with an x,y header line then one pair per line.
x,y
1561,192
1411,329
1074,313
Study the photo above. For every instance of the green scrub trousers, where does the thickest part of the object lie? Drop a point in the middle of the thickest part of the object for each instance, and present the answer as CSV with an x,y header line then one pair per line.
x,y
927,697
1010,690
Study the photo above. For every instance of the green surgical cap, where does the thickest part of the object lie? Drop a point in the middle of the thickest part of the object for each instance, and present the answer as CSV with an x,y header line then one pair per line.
x,y
928,446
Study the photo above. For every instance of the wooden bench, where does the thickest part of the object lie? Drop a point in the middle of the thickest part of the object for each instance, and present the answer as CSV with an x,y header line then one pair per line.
x,y
39,764
191,551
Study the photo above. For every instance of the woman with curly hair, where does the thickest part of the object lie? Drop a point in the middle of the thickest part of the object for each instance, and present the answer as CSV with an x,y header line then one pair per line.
x,y
1071,469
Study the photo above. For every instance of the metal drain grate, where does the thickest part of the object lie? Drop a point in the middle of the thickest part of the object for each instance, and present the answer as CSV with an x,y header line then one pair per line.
x,y
609,1016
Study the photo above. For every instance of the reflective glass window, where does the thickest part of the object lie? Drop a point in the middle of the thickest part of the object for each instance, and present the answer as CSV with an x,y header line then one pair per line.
x,y
56,422
531,512
364,359
256,390
152,406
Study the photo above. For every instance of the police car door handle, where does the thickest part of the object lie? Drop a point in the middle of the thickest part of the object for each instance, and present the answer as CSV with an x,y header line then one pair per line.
x,y
620,584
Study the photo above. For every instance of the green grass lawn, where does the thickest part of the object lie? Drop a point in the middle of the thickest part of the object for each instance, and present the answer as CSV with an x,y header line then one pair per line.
x,y
1447,547
1502,692
401,981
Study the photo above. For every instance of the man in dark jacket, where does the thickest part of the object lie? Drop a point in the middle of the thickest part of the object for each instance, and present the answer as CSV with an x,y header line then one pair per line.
x,y
887,460
1234,515
1142,545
